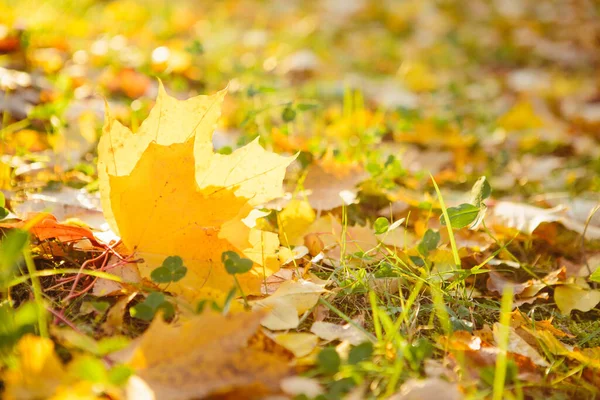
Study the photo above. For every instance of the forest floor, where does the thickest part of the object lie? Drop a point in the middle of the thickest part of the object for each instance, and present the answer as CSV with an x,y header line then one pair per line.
x,y
330,199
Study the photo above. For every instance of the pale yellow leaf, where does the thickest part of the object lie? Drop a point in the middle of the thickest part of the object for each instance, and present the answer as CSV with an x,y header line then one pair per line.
x,y
345,333
291,299
574,297
299,343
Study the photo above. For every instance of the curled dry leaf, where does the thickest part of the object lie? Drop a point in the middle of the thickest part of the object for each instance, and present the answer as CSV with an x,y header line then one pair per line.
x,y
497,282
166,192
209,354
518,345
116,315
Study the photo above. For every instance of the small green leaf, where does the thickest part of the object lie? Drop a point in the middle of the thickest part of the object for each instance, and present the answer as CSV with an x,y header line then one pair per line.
x,y
329,360
429,242
288,114
360,353
595,277
481,191
234,264
381,225
147,309
461,216
171,270
167,309
142,311
11,251
161,275
154,300
254,90
195,48
99,305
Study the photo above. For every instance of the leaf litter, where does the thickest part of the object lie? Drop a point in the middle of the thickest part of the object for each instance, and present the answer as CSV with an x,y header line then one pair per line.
x,y
365,280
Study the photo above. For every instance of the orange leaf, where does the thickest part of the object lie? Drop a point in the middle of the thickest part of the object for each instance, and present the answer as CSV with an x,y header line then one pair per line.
x,y
45,226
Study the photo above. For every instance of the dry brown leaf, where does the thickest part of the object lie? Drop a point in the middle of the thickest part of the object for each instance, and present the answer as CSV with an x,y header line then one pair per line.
x,y
207,355
116,315
518,345
127,272
328,190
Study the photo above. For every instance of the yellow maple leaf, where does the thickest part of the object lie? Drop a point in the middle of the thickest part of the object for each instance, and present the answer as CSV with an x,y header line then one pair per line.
x,y
165,192
209,354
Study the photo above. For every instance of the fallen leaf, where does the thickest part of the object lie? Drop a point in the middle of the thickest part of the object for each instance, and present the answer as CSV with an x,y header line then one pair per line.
x,y
299,343
527,218
165,191
127,272
328,190
45,226
428,389
64,204
208,354
299,385
518,345
574,297
521,116
357,239
291,299
116,315
524,217
293,221
330,332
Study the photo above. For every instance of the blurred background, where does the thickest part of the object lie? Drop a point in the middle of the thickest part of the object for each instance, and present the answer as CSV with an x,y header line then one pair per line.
x,y
508,88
